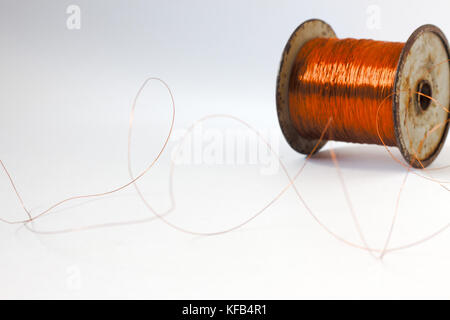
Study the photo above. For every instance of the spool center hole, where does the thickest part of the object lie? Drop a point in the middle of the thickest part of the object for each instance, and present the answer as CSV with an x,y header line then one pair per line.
x,y
423,99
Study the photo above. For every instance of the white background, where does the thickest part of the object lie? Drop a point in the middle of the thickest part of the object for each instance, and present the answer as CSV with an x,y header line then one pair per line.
x,y
65,99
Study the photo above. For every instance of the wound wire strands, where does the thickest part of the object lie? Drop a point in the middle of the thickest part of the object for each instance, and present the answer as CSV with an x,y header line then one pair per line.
x,y
345,80
374,92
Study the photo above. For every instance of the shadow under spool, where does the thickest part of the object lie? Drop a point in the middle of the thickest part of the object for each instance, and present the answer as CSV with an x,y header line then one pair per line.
x,y
423,67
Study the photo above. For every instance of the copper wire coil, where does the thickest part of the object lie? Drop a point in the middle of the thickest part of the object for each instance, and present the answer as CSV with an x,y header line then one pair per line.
x,y
376,92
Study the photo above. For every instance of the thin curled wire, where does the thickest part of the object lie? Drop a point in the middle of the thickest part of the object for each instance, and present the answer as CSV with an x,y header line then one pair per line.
x,y
161,216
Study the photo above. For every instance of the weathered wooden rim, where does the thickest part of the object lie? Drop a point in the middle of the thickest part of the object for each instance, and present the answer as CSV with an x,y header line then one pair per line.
x,y
301,35
410,159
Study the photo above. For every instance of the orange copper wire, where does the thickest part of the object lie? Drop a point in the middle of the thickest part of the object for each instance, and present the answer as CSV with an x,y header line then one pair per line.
x,y
345,80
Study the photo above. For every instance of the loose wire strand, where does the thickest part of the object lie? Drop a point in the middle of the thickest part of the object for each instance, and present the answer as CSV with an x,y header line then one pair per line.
x,y
383,251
